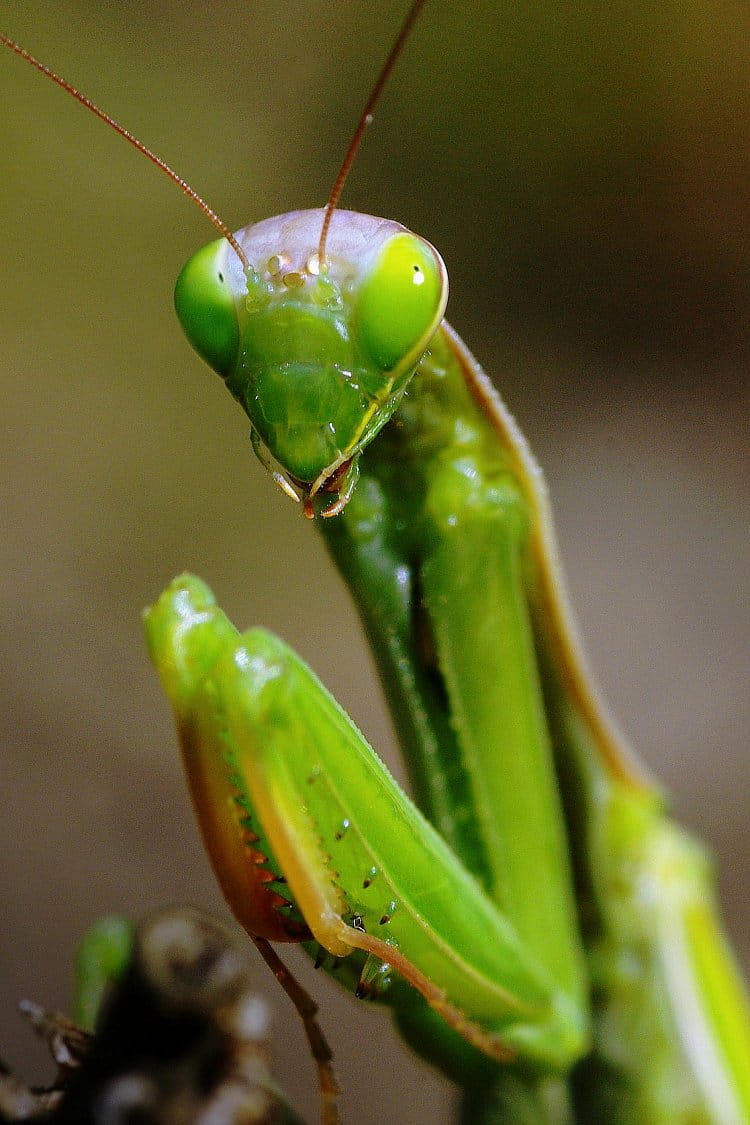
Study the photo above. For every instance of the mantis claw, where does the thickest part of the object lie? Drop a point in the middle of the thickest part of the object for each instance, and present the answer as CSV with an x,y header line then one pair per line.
x,y
249,701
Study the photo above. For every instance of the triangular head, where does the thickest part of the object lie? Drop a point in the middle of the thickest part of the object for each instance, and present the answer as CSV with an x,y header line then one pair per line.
x,y
318,355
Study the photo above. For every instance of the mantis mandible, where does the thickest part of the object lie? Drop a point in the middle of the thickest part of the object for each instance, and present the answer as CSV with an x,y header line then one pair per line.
x,y
435,644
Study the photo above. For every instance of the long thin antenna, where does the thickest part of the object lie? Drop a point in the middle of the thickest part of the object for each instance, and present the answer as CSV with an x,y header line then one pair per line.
x,y
364,121
183,185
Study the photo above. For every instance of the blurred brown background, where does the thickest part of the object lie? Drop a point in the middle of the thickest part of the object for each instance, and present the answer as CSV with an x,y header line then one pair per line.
x,y
584,169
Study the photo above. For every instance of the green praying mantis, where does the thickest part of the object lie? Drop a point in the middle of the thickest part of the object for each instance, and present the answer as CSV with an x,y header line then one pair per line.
x,y
552,919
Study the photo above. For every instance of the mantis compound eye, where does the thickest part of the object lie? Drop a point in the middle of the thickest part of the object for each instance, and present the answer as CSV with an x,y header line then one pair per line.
x,y
401,300
205,304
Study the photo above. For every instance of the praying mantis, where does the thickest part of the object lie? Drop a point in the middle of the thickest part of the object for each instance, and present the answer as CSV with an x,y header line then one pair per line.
x,y
354,497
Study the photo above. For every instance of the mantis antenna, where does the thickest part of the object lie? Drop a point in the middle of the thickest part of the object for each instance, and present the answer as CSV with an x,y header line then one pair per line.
x,y
365,120
343,172
183,185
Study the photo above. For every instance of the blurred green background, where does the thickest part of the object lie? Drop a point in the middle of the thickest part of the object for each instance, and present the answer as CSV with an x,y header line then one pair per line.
x,y
584,170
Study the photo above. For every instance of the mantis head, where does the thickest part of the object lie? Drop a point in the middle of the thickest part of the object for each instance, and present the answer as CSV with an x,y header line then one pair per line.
x,y
316,319
317,350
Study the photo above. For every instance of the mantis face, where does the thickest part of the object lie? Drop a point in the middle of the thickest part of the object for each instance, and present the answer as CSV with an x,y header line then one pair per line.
x,y
318,355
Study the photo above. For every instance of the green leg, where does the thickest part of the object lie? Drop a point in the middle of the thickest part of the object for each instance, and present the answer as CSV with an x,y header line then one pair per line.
x,y
671,1016
303,822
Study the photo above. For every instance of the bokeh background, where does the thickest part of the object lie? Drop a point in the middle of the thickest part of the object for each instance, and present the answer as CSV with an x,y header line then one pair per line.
x,y
584,169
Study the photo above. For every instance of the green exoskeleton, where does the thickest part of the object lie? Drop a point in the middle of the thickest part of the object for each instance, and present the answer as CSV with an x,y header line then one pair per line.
x,y
541,930
449,548
318,351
